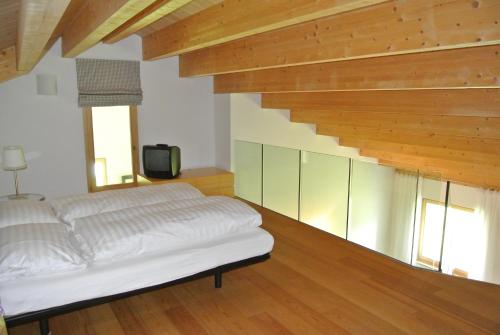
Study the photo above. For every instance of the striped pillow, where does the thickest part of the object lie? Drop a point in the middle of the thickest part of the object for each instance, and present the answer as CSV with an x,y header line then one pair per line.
x,y
25,211
70,208
38,248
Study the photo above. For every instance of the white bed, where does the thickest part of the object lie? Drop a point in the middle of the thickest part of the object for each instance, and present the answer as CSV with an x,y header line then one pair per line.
x,y
128,240
41,292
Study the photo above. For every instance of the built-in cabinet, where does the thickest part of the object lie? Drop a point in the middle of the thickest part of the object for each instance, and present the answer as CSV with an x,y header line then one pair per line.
x,y
420,220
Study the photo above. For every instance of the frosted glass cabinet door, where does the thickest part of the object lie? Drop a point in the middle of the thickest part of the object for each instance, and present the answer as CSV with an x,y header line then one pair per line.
x,y
281,180
370,208
324,188
248,171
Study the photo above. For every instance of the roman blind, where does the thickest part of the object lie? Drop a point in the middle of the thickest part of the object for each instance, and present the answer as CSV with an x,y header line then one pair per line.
x,y
104,82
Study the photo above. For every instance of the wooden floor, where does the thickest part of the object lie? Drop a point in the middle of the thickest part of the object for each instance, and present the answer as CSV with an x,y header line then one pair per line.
x,y
313,284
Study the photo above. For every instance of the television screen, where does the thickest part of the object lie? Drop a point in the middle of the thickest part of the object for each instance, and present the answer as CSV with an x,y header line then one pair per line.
x,y
161,161
158,160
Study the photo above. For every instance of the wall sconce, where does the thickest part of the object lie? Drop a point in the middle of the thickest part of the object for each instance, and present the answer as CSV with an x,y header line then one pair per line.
x,y
46,84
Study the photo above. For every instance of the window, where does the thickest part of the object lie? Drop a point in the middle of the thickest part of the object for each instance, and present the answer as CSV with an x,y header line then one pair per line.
x,y
111,147
460,223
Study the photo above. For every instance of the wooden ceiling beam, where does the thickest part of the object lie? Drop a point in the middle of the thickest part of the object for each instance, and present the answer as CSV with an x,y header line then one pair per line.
x,y
395,27
148,16
485,175
95,20
461,68
234,19
483,145
466,126
420,150
37,21
8,64
467,102
444,174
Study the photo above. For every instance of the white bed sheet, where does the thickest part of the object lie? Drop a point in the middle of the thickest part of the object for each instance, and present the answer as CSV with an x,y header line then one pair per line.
x,y
108,278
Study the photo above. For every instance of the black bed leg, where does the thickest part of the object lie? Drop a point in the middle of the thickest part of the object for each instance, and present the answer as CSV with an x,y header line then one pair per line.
x,y
218,279
44,327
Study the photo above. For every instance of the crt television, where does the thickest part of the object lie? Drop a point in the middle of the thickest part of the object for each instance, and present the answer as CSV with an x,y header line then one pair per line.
x,y
161,161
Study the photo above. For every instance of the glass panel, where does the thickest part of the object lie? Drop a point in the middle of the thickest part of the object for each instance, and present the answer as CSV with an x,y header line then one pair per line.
x,y
281,180
382,209
429,223
324,188
248,171
471,247
112,145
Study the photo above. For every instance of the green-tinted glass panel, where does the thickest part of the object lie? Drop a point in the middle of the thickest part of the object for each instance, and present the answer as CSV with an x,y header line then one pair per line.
x,y
248,171
472,235
324,192
382,209
281,180
466,244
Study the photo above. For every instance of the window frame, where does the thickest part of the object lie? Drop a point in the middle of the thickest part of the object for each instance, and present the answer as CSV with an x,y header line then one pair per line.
x,y
90,155
428,262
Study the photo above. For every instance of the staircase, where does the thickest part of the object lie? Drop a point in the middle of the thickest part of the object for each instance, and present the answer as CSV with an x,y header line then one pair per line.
x,y
442,133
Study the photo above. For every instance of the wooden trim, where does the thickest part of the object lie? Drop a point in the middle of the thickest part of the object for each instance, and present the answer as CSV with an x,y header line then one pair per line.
x,y
90,155
134,139
37,21
459,273
391,28
461,68
95,20
234,19
465,102
89,148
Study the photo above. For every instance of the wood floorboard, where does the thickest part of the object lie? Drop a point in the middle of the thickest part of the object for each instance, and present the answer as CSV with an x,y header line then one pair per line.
x,y
314,283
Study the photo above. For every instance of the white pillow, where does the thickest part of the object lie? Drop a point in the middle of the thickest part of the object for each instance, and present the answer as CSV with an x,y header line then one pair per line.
x,y
165,226
77,206
25,211
37,248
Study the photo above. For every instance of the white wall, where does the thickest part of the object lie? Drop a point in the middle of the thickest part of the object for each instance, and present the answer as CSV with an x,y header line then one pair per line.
x,y
250,122
175,111
222,119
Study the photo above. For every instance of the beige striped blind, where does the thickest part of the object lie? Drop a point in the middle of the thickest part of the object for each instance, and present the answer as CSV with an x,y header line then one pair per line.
x,y
104,82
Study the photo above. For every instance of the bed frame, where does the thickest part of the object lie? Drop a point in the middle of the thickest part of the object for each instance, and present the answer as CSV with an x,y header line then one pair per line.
x,y
42,316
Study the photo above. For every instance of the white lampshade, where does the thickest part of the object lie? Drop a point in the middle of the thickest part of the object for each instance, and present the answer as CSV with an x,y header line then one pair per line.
x,y
13,158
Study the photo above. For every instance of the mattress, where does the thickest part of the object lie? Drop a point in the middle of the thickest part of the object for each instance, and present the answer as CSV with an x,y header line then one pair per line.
x,y
112,277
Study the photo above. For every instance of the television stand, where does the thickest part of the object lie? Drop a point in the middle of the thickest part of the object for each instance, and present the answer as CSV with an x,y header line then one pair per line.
x,y
209,180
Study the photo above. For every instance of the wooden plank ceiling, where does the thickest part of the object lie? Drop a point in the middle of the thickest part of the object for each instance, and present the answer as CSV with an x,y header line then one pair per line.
x,y
29,28
414,83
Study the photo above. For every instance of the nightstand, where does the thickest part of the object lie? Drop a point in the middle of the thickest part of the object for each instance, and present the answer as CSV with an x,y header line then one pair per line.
x,y
210,181
23,196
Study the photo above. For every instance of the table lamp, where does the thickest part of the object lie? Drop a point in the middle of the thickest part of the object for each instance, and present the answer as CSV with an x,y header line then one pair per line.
x,y
13,160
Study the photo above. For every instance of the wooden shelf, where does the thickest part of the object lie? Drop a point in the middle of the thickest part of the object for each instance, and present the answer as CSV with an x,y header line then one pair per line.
x,y
209,180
